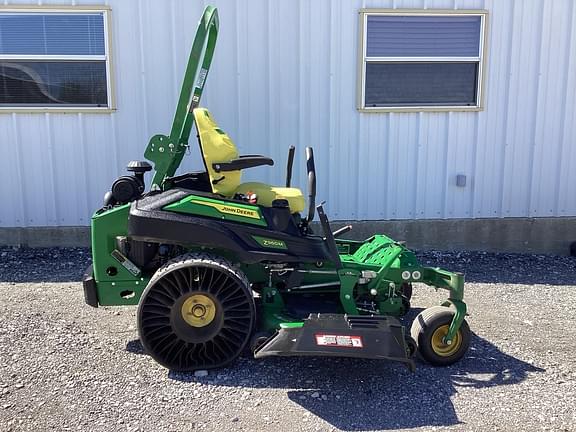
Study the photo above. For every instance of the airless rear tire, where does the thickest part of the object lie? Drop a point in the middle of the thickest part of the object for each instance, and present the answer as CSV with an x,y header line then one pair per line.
x,y
197,312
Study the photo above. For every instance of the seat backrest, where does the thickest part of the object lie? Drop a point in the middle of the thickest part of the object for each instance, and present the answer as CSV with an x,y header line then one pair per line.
x,y
216,147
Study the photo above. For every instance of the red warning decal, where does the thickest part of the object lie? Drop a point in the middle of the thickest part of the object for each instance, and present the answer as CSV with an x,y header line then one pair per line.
x,y
343,341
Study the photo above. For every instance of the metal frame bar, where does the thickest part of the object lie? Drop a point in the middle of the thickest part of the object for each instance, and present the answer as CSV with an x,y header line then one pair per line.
x,y
167,151
104,10
364,59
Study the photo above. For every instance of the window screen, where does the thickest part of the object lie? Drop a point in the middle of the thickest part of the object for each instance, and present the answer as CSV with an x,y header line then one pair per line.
x,y
422,60
53,59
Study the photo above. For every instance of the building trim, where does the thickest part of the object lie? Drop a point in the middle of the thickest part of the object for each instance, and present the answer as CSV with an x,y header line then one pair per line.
x,y
362,59
108,58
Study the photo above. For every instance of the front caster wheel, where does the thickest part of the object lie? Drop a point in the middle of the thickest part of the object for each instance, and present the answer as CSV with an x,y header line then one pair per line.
x,y
258,340
411,346
406,290
429,329
197,312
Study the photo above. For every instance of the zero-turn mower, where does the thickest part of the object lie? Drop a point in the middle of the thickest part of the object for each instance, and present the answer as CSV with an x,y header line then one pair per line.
x,y
217,266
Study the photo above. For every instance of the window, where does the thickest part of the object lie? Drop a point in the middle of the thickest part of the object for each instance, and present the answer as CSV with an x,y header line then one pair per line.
x,y
421,60
54,59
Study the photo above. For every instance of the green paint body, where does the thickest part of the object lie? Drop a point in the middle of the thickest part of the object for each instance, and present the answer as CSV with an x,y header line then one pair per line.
x,y
388,260
115,284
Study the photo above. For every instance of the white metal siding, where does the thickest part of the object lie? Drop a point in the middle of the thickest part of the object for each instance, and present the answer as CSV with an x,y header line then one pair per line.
x,y
285,73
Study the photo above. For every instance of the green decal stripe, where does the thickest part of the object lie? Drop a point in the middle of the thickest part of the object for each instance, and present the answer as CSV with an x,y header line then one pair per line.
x,y
270,243
289,325
226,210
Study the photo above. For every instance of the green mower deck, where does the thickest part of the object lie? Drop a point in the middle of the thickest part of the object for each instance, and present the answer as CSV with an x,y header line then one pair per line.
x,y
217,267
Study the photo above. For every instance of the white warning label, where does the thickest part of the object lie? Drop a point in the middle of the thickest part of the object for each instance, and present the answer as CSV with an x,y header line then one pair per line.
x,y
344,341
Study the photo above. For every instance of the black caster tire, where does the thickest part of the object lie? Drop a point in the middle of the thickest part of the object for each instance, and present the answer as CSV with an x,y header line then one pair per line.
x,y
258,340
411,346
197,312
429,329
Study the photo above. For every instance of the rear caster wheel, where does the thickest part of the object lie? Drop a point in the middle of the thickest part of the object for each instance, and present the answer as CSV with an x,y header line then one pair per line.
x,y
197,312
429,329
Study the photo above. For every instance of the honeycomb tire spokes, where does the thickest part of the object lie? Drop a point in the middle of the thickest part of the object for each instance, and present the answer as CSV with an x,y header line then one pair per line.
x,y
196,314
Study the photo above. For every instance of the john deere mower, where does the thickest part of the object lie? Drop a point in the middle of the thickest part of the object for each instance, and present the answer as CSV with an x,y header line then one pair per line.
x,y
218,267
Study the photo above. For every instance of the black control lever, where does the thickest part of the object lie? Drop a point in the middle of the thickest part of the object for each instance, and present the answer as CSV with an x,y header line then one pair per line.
x,y
311,183
289,164
329,237
342,231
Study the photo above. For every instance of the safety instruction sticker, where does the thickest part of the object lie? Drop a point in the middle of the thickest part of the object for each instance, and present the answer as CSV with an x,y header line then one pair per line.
x,y
343,341
126,263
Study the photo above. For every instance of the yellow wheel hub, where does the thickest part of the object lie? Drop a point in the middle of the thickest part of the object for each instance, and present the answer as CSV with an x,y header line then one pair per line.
x,y
198,310
438,345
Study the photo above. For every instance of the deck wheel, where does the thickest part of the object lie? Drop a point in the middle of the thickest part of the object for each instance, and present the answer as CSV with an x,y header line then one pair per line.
x,y
429,329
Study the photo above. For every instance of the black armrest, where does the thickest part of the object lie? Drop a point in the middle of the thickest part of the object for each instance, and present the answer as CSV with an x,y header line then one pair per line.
x,y
243,162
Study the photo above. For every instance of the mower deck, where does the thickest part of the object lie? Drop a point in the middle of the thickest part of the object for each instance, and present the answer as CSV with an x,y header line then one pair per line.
x,y
335,335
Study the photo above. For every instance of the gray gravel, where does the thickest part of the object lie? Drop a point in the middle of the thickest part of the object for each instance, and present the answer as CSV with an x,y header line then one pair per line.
x,y
66,366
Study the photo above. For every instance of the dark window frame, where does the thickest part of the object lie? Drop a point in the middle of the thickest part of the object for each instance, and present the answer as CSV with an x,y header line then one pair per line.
x,y
364,60
105,58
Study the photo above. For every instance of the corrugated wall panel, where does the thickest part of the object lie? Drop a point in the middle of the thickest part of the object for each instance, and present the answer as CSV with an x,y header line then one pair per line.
x,y
67,155
523,99
9,168
565,172
491,141
553,70
285,73
348,176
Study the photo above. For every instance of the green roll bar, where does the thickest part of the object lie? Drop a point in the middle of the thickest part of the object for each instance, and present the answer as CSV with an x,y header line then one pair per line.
x,y
166,152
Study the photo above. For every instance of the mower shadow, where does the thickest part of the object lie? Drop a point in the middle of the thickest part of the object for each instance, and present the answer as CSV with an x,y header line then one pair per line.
x,y
355,394
393,398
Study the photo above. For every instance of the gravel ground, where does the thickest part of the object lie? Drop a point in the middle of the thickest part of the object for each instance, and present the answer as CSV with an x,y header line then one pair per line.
x,y
66,366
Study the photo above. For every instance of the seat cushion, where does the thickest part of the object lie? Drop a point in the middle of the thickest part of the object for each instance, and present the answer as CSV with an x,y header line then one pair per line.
x,y
267,193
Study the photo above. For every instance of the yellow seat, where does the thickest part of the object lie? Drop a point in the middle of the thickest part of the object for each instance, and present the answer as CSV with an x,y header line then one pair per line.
x,y
218,148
